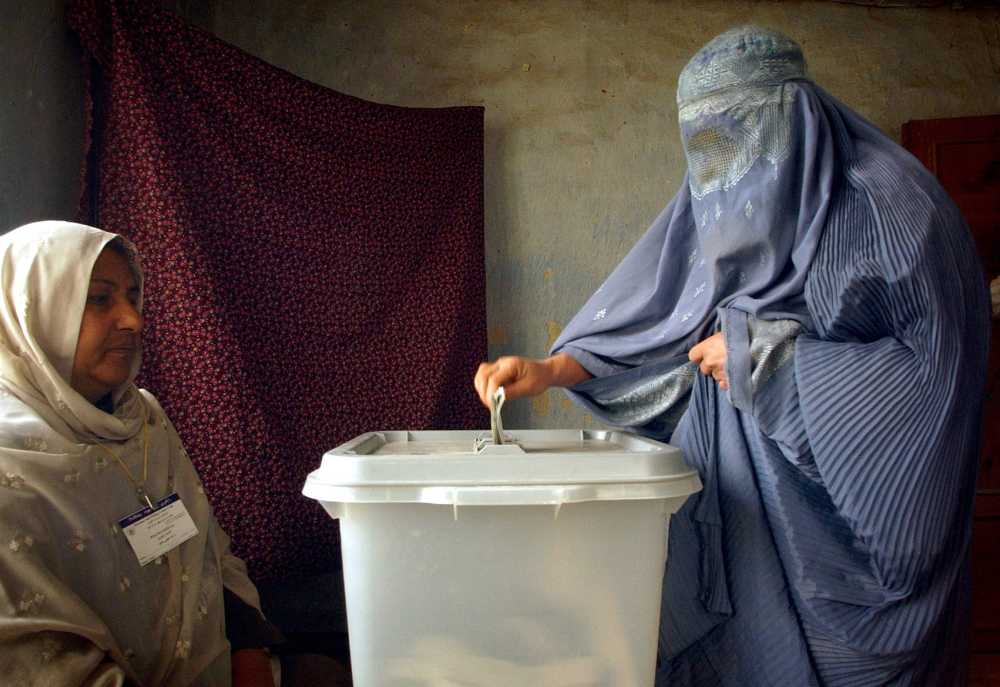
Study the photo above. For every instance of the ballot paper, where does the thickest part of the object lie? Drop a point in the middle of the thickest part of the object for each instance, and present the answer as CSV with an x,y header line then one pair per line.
x,y
496,426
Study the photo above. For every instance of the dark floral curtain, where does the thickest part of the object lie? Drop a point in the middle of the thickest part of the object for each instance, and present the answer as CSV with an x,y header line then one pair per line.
x,y
314,262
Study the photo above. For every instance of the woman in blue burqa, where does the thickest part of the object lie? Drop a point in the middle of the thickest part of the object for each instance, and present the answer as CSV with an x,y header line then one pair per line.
x,y
807,320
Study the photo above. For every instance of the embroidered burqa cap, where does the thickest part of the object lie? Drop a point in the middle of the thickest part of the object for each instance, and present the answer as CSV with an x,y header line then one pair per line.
x,y
747,56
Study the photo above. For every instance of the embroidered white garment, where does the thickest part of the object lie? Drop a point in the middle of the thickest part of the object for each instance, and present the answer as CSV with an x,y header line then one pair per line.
x,y
75,606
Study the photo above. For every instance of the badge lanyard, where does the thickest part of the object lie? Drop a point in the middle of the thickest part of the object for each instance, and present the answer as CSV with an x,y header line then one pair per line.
x,y
140,487
156,528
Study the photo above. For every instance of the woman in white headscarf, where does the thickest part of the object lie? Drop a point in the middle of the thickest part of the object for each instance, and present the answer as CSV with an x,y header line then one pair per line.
x,y
81,448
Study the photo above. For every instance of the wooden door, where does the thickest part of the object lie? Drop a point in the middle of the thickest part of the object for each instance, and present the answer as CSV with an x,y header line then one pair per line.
x,y
964,154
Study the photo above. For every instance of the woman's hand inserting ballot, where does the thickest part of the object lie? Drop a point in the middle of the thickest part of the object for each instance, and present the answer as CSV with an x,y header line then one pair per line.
x,y
520,376
710,356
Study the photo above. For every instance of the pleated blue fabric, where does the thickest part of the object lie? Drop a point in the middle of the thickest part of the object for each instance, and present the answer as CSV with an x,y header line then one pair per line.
x,y
830,545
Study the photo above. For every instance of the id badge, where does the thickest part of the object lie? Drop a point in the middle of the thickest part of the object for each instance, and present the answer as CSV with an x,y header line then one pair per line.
x,y
154,531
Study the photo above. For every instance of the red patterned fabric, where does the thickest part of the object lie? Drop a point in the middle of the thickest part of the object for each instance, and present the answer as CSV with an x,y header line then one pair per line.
x,y
314,262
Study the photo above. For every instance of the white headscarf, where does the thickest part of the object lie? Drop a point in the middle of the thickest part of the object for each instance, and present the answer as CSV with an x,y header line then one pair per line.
x,y
76,608
44,276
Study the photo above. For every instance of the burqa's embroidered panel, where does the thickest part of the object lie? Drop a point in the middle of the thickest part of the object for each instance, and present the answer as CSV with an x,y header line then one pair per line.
x,y
314,262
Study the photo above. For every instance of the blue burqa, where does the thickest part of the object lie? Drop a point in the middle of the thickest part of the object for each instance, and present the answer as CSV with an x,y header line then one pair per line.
x,y
830,545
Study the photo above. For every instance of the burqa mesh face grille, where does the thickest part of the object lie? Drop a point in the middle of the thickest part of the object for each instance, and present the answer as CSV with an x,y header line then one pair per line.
x,y
711,154
725,134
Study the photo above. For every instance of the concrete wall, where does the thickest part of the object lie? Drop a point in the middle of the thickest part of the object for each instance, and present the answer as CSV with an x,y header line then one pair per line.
x,y
582,148
41,114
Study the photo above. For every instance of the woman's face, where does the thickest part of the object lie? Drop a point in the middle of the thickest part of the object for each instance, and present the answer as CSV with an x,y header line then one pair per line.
x,y
109,332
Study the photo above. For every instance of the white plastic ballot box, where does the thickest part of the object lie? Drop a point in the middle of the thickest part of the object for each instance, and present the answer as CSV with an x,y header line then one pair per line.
x,y
535,563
